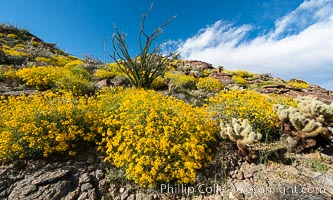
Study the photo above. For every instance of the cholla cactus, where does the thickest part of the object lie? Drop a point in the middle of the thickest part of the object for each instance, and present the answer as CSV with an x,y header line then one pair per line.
x,y
305,125
317,110
282,112
309,127
240,132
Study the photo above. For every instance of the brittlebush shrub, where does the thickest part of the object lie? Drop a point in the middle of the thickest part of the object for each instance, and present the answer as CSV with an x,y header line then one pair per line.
x,y
209,84
47,123
158,83
103,74
245,104
109,71
154,138
181,80
239,80
298,84
7,73
74,79
42,78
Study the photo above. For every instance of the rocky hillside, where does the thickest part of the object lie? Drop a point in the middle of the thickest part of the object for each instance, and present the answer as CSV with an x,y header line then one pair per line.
x,y
64,130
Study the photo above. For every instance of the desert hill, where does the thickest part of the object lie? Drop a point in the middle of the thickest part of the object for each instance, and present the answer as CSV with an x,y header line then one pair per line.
x,y
75,129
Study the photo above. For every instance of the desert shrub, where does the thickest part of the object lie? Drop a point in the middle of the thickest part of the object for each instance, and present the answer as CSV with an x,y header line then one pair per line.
x,y
74,79
209,84
12,51
239,80
37,49
307,126
109,71
73,63
103,74
47,123
12,36
283,100
181,80
149,63
78,71
245,104
7,73
42,78
155,138
298,83
19,46
60,60
243,74
158,83
44,60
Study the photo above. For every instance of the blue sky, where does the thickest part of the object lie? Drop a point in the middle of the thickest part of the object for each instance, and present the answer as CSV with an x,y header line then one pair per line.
x,y
290,39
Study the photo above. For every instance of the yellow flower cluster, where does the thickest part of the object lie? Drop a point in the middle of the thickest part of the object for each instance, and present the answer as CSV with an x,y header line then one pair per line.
x,y
103,74
74,79
209,84
43,77
47,123
7,73
12,36
74,63
158,83
241,73
180,80
58,60
109,71
239,80
13,51
298,83
245,104
156,138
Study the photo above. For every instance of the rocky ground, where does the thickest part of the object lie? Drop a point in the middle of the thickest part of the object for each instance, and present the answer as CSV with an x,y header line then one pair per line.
x,y
308,176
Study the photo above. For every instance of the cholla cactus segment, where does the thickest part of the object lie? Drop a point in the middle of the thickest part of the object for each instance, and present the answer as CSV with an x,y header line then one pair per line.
x,y
240,132
282,112
315,109
309,127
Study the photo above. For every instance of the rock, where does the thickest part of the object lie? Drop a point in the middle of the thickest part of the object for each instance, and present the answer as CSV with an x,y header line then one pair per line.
x,y
18,93
100,84
236,195
195,64
99,174
274,86
224,78
61,179
49,177
85,178
119,81
240,175
86,187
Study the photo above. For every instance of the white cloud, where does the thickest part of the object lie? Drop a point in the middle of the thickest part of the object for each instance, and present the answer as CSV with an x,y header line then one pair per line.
x,y
299,46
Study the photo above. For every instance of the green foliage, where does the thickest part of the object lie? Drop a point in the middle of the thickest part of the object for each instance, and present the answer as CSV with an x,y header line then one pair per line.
x,y
148,64
245,104
239,131
159,83
46,123
103,74
239,80
108,71
311,119
180,80
156,139
74,79
209,84
298,83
